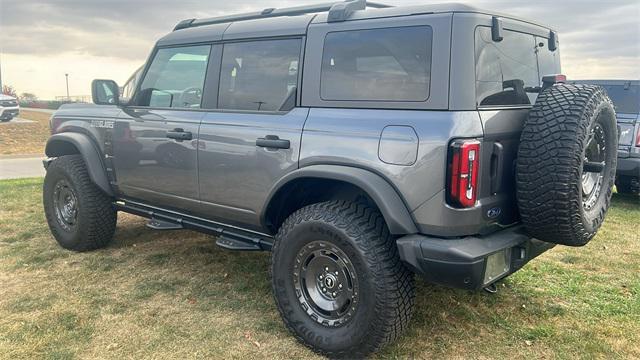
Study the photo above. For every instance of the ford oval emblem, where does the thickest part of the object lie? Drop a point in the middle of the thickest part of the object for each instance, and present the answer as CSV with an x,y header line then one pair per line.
x,y
494,212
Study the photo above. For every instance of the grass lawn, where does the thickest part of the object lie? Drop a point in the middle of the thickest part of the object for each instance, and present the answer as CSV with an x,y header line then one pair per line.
x,y
176,295
25,138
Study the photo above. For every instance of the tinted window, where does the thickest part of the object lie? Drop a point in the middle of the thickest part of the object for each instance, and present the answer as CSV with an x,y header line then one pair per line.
x,y
548,61
259,75
625,98
378,65
126,93
505,69
175,78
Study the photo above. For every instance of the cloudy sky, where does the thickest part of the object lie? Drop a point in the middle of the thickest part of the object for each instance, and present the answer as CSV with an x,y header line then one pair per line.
x,y
42,40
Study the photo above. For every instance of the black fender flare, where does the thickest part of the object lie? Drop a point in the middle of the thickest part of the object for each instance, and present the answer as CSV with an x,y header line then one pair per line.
x,y
57,145
386,198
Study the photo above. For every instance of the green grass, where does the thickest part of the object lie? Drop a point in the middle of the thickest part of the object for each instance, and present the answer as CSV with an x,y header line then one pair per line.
x,y
176,295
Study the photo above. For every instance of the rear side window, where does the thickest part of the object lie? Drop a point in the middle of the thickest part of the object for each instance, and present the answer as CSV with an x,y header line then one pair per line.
x,y
175,78
391,64
259,75
505,69
548,61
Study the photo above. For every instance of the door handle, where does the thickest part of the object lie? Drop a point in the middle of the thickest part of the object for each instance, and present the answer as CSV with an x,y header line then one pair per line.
x,y
273,142
179,134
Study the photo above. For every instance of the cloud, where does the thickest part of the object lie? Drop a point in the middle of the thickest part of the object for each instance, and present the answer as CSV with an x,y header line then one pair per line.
x,y
597,37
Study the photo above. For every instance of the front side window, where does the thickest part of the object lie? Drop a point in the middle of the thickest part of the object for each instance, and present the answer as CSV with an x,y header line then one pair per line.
x,y
175,78
505,69
391,64
259,75
126,93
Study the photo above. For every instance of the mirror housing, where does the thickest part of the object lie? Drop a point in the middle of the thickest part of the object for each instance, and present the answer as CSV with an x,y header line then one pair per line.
x,y
105,92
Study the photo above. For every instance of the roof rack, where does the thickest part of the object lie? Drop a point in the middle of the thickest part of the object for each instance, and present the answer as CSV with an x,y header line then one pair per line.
x,y
338,11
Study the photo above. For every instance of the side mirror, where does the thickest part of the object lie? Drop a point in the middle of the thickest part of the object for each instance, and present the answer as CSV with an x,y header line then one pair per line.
x,y
105,92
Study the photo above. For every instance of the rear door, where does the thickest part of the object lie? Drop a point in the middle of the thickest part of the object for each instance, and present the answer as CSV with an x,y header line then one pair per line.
x,y
253,139
155,138
507,74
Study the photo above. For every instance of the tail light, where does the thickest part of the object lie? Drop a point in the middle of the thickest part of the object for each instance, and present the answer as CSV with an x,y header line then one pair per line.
x,y
464,159
638,136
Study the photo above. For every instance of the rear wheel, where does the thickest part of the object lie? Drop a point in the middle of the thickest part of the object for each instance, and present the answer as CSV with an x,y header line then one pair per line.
x,y
338,281
81,217
566,164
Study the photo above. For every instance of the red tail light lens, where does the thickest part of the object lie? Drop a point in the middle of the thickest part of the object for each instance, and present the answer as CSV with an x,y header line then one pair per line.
x,y
464,159
638,137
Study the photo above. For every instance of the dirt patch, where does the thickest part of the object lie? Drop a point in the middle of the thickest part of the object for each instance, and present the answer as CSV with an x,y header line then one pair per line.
x,y
25,138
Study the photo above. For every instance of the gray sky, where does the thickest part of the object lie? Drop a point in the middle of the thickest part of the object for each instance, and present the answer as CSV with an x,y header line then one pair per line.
x,y
42,40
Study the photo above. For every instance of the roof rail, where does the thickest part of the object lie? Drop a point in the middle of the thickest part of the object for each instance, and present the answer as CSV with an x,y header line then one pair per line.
x,y
338,11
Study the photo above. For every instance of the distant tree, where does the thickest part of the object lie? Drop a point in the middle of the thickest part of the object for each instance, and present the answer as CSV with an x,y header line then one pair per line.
x,y
28,97
9,90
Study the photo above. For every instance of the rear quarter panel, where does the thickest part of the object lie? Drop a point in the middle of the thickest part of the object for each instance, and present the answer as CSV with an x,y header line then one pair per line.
x,y
351,137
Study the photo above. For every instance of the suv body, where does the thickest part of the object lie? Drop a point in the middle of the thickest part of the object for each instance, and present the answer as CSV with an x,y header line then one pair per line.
x,y
625,95
233,125
269,115
9,107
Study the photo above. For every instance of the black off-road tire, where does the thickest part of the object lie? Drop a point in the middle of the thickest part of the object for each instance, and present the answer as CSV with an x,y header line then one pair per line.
x,y
627,185
551,163
387,292
96,217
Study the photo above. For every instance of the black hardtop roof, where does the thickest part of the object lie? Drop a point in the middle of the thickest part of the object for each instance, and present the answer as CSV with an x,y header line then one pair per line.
x,y
295,20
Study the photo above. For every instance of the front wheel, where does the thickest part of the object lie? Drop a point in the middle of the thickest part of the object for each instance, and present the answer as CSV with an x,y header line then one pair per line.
x,y
81,217
338,280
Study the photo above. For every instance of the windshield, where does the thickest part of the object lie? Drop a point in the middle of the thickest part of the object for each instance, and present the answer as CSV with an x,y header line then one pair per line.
x,y
626,98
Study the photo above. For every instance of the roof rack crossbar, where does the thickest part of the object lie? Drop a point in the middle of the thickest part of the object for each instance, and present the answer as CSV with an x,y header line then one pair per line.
x,y
339,11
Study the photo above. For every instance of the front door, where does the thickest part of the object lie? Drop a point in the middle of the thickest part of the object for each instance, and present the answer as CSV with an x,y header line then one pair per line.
x,y
155,139
253,140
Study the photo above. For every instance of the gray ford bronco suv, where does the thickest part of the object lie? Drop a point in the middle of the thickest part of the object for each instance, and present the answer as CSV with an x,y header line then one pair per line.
x,y
359,143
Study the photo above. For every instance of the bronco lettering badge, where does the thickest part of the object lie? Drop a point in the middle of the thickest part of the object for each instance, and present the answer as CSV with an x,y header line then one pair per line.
x,y
106,124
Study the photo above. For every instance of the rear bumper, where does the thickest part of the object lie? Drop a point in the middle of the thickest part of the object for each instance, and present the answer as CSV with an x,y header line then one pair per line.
x,y
628,166
462,263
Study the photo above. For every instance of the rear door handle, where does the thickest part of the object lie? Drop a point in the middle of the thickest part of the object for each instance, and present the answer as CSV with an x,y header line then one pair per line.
x,y
273,142
179,134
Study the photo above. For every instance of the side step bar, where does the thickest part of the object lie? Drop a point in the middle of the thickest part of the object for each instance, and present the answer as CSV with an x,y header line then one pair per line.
x,y
229,237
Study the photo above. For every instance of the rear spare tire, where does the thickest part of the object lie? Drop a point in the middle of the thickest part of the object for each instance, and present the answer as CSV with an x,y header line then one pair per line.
x,y
566,164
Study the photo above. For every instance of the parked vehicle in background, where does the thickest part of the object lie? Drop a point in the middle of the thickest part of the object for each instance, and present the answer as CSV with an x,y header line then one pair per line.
x,y
625,95
9,107
359,145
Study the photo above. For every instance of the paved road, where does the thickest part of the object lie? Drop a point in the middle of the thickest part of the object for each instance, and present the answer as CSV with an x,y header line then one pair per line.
x,y
20,167
17,120
46,111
